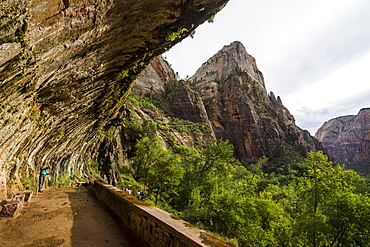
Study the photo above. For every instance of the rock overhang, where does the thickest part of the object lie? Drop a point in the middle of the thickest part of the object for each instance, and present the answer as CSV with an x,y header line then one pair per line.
x,y
69,65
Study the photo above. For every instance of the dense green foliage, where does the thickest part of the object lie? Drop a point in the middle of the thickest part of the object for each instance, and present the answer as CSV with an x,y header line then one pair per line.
x,y
211,189
308,202
152,107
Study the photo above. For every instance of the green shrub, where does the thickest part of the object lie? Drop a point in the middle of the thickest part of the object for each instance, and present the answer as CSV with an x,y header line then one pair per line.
x,y
93,168
188,126
62,180
132,125
29,182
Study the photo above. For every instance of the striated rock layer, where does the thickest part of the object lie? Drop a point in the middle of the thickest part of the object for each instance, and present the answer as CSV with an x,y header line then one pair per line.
x,y
240,110
348,139
65,70
228,92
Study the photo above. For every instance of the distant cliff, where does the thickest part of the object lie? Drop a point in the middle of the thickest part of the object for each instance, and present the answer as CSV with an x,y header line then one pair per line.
x,y
348,139
228,92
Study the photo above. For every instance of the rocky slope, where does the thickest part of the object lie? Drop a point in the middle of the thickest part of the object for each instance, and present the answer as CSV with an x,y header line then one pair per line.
x,y
179,101
228,93
348,139
240,110
154,79
66,68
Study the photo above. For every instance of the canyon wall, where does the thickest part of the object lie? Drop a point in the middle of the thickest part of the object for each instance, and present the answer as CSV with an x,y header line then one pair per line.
x,y
240,109
66,68
228,93
348,139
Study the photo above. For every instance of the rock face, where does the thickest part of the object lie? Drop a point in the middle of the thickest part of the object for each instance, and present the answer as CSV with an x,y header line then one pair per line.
x,y
228,92
154,79
66,68
348,139
240,110
229,60
186,104
179,100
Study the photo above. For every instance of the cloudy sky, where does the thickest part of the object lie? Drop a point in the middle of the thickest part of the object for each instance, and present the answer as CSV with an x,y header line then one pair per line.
x,y
314,54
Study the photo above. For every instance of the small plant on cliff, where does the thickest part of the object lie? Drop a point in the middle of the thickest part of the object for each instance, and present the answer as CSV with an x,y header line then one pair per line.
x,y
13,108
29,182
133,126
62,180
171,87
188,126
123,74
211,19
93,168
149,105
177,35
9,194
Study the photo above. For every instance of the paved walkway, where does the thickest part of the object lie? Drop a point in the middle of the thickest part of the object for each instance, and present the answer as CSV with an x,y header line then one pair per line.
x,y
62,217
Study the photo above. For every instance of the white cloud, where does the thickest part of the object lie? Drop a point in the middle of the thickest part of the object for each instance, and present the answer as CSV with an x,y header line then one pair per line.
x,y
340,84
332,40
303,48
345,91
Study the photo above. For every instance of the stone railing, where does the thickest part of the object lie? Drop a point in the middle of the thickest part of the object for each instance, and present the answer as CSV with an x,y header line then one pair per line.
x,y
150,224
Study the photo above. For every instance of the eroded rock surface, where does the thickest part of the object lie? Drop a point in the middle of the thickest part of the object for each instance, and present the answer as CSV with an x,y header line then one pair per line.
x,y
154,79
240,109
228,93
65,70
348,139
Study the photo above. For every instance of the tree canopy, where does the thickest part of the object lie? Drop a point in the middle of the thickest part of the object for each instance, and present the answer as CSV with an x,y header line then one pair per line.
x,y
209,188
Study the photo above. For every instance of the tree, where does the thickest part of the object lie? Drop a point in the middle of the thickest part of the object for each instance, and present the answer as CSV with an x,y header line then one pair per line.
x,y
218,159
329,207
163,175
201,168
148,151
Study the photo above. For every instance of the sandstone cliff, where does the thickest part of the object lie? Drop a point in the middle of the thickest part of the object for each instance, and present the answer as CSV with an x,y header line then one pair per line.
x,y
66,68
228,93
179,101
240,110
154,79
348,139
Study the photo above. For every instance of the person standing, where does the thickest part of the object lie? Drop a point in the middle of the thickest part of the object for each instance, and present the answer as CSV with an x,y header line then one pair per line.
x,y
43,173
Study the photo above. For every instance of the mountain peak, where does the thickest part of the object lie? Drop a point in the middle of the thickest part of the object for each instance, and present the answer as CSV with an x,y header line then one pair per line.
x,y
228,60
235,45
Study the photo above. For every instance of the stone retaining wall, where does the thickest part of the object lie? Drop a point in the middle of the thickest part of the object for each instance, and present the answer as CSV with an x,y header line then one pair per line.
x,y
156,227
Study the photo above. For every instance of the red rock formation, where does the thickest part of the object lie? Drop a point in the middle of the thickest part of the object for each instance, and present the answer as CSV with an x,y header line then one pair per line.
x,y
154,79
228,91
240,110
348,138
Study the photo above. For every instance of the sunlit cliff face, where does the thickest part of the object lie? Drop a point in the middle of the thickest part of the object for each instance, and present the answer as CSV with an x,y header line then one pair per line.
x,y
65,70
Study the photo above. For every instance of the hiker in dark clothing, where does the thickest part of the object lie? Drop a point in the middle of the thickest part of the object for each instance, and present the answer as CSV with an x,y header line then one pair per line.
x,y
43,173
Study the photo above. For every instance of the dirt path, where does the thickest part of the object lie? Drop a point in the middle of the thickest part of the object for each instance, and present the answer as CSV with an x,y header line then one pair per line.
x,y
62,217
